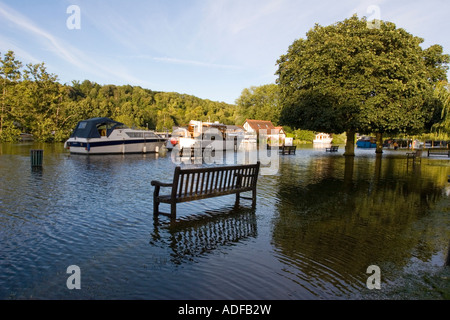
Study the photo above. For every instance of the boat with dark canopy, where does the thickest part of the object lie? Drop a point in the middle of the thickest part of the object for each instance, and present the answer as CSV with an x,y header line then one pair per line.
x,y
106,136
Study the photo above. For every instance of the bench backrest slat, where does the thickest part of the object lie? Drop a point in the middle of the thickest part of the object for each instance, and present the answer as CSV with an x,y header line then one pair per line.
x,y
213,179
202,183
181,185
222,173
186,187
216,180
227,179
175,182
197,182
241,171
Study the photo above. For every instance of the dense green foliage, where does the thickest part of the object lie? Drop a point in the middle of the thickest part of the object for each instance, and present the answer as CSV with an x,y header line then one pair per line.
x,y
349,77
259,103
33,101
442,95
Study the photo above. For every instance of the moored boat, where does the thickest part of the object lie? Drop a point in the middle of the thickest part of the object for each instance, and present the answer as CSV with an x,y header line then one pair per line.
x,y
366,142
322,138
106,136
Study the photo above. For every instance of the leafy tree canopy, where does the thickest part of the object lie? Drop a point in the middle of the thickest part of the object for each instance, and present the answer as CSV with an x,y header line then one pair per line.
x,y
352,77
262,102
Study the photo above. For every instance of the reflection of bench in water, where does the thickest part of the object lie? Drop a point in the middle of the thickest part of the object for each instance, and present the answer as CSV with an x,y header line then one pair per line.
x,y
332,149
203,183
287,149
414,155
195,237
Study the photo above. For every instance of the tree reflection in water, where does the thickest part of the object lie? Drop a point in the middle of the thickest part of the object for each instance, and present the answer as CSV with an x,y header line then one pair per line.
x,y
339,216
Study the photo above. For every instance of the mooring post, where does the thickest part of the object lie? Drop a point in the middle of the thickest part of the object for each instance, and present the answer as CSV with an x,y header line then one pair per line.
x,y
36,158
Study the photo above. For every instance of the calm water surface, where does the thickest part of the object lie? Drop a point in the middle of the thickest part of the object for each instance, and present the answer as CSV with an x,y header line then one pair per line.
x,y
319,222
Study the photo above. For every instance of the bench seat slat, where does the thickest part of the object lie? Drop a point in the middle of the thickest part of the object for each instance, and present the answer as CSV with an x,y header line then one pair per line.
x,y
168,198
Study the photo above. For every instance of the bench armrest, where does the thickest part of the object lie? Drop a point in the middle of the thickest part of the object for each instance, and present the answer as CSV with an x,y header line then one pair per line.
x,y
161,184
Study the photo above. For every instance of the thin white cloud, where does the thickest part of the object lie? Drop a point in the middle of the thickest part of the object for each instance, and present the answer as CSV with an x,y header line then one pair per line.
x,y
65,51
25,24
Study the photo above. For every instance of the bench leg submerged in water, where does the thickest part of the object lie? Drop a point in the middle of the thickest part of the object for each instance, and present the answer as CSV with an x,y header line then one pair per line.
x,y
173,210
238,197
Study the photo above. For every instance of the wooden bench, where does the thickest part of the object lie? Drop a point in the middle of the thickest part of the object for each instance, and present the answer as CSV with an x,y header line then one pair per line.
x,y
203,183
287,149
332,149
439,152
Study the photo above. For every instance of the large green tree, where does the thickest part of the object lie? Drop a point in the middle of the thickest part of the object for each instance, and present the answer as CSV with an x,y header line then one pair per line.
x,y
41,111
351,77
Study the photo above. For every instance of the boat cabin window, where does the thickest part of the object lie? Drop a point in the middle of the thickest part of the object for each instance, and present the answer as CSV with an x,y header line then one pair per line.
x,y
135,134
82,125
150,135
102,130
105,129
147,135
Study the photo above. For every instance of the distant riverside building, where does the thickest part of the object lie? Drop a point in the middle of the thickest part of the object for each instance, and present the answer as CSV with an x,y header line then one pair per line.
x,y
253,127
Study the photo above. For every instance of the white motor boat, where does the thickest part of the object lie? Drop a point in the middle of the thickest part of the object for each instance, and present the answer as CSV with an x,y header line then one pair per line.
x,y
322,138
106,136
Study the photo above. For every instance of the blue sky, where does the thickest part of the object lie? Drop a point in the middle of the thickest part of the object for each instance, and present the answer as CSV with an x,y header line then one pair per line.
x,y
212,49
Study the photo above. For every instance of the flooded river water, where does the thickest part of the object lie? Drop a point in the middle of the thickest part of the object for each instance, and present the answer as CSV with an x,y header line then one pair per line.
x,y
320,221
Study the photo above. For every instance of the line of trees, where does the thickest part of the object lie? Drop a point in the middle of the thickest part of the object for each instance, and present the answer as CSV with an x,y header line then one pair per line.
x,y
33,101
